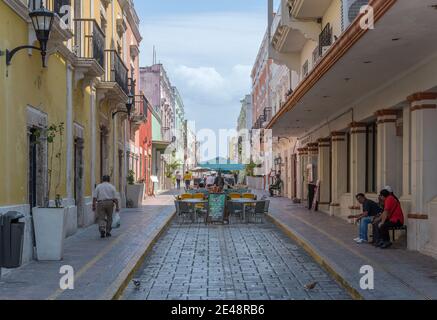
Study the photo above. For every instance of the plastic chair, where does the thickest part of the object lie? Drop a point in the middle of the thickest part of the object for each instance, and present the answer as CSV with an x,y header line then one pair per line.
x,y
267,206
249,196
186,196
234,210
198,196
259,211
184,211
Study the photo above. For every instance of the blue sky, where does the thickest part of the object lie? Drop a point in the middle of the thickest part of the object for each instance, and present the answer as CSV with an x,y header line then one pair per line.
x,y
208,48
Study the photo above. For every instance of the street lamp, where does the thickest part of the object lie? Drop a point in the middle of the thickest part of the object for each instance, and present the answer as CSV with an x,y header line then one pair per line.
x,y
42,21
130,102
129,105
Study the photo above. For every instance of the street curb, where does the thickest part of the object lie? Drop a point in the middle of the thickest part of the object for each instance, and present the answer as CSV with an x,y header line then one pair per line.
x,y
313,252
115,291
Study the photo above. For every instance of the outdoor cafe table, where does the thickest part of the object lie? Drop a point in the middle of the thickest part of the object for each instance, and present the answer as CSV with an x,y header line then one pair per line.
x,y
193,202
245,203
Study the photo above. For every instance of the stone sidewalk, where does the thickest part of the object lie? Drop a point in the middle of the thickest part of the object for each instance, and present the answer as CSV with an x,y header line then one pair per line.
x,y
399,273
101,266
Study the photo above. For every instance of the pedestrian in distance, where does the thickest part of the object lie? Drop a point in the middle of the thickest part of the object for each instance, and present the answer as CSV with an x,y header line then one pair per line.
x,y
178,180
210,181
187,178
219,182
105,197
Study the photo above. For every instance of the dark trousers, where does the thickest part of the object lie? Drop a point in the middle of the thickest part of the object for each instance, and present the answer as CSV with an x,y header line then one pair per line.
x,y
272,190
178,183
311,195
383,233
105,209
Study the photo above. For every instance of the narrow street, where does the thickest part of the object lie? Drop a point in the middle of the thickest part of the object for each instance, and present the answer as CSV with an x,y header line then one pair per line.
x,y
296,137
232,262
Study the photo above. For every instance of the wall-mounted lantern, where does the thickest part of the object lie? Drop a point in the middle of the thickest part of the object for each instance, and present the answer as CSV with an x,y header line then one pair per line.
x,y
42,21
129,104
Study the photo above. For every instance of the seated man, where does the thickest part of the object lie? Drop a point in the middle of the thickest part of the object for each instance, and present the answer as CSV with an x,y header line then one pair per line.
x,y
276,186
392,217
370,211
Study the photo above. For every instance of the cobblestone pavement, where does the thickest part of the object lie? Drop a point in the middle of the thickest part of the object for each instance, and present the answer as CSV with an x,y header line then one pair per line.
x,y
236,262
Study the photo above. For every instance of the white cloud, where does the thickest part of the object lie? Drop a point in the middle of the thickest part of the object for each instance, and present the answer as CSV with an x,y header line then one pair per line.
x,y
209,57
205,85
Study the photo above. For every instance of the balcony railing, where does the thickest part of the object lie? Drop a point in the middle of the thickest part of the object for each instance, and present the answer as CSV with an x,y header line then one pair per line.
x,y
267,114
56,6
89,40
325,39
290,5
276,21
141,104
115,70
259,124
166,134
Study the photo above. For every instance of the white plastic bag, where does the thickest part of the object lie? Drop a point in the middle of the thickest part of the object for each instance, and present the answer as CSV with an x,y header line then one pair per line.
x,y
116,220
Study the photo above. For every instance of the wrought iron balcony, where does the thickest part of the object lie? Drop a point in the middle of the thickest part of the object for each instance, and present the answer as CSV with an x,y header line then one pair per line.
x,y
325,39
115,70
259,124
267,114
89,40
141,109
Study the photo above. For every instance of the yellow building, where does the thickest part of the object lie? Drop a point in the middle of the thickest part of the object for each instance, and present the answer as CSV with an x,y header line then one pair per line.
x,y
86,81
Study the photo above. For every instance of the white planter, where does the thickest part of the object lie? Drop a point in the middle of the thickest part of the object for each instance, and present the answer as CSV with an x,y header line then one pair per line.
x,y
50,232
135,193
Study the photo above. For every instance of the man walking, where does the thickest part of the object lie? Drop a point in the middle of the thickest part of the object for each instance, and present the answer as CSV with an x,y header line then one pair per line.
x,y
187,179
210,181
105,196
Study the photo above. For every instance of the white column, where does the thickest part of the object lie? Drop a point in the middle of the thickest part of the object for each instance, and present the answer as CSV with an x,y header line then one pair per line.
x,y
338,170
114,153
300,176
303,155
358,159
388,162
69,133
422,221
93,130
406,176
324,173
125,164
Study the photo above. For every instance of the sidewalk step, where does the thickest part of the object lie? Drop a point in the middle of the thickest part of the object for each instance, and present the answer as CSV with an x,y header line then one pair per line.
x,y
399,274
101,266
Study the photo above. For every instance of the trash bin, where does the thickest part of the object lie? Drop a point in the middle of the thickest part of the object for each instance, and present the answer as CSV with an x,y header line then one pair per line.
x,y
11,240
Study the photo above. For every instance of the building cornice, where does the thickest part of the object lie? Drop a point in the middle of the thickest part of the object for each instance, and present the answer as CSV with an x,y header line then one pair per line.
x,y
19,7
346,41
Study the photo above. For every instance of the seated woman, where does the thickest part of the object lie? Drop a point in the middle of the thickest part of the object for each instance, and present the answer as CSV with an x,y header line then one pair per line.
x,y
392,217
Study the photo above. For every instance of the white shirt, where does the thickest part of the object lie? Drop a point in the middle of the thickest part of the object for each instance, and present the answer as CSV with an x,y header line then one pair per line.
x,y
210,180
105,191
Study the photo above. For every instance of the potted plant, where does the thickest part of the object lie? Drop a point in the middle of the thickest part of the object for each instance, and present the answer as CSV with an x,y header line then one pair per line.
x,y
134,191
50,220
